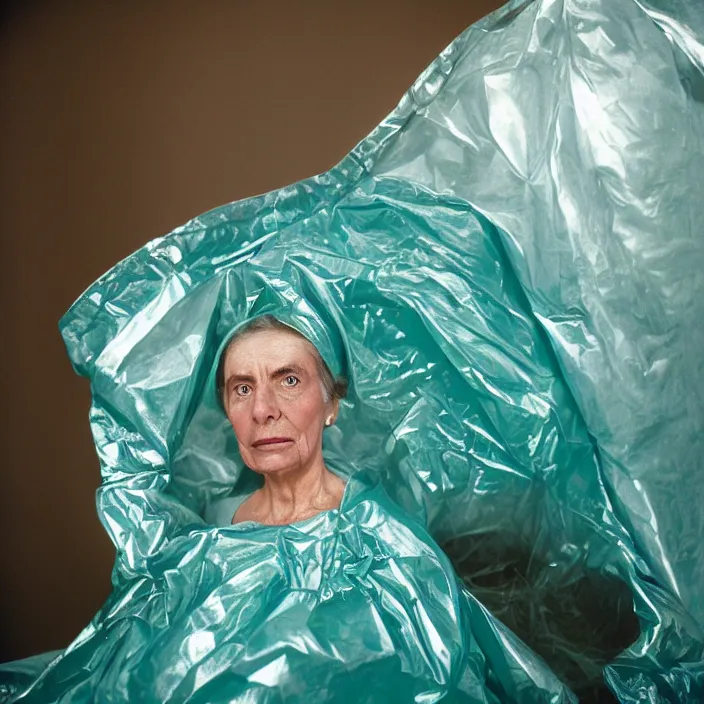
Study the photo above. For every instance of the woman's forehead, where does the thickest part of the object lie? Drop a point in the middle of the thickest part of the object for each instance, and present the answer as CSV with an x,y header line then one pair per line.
x,y
270,348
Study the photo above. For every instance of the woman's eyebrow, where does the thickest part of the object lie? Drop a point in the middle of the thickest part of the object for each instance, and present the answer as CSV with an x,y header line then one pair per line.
x,y
240,379
281,371
288,369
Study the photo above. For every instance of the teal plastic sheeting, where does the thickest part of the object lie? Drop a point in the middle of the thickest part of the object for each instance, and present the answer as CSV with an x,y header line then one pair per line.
x,y
513,261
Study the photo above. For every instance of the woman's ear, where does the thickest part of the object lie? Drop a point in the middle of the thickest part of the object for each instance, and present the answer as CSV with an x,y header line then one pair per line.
x,y
331,416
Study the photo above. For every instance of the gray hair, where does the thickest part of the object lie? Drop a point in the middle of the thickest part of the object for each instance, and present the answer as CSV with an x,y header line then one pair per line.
x,y
333,389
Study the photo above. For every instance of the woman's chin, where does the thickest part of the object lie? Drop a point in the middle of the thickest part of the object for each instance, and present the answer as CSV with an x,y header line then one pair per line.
x,y
272,469
275,462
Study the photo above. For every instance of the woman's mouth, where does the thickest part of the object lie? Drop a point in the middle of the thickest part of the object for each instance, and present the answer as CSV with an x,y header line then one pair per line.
x,y
272,443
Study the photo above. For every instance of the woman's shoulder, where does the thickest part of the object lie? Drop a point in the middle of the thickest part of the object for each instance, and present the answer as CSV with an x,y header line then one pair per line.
x,y
245,509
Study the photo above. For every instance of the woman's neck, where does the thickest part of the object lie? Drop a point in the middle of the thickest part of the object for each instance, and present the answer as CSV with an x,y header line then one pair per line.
x,y
288,497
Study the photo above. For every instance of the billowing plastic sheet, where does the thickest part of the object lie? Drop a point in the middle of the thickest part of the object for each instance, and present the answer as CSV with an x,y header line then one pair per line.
x,y
513,260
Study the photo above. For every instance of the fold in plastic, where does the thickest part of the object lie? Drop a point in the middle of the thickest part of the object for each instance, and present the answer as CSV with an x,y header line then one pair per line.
x,y
514,261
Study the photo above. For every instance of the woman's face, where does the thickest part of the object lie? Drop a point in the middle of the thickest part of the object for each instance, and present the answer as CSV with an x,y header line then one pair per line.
x,y
273,396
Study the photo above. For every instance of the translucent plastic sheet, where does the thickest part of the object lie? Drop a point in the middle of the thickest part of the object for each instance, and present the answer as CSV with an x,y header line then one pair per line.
x,y
514,261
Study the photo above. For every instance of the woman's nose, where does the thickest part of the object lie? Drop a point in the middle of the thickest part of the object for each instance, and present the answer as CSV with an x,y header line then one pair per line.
x,y
265,405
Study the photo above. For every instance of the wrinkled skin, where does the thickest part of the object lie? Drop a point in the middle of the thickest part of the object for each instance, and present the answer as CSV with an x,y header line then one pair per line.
x,y
274,399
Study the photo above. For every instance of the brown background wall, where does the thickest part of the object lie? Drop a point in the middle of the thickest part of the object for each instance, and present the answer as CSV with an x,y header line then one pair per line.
x,y
119,122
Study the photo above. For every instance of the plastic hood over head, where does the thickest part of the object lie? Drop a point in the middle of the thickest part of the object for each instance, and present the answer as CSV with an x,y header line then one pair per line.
x,y
297,313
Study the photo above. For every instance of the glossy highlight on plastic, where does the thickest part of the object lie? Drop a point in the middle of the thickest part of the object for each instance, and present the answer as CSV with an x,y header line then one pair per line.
x,y
510,264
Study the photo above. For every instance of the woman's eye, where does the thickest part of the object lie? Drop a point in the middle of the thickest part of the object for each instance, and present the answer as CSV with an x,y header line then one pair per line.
x,y
290,381
243,390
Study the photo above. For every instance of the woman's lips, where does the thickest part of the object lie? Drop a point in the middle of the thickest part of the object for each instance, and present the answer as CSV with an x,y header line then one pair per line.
x,y
271,443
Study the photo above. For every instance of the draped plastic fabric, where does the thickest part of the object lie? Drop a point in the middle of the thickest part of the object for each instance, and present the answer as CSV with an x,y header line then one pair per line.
x,y
513,260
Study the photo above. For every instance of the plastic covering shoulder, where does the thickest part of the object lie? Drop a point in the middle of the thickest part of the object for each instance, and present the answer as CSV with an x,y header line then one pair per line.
x,y
514,260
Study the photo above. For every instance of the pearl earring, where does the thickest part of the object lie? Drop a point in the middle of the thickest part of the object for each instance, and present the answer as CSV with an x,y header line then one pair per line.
x,y
328,421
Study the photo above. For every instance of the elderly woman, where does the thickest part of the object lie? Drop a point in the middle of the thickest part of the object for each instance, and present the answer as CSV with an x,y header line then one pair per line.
x,y
311,588
279,395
